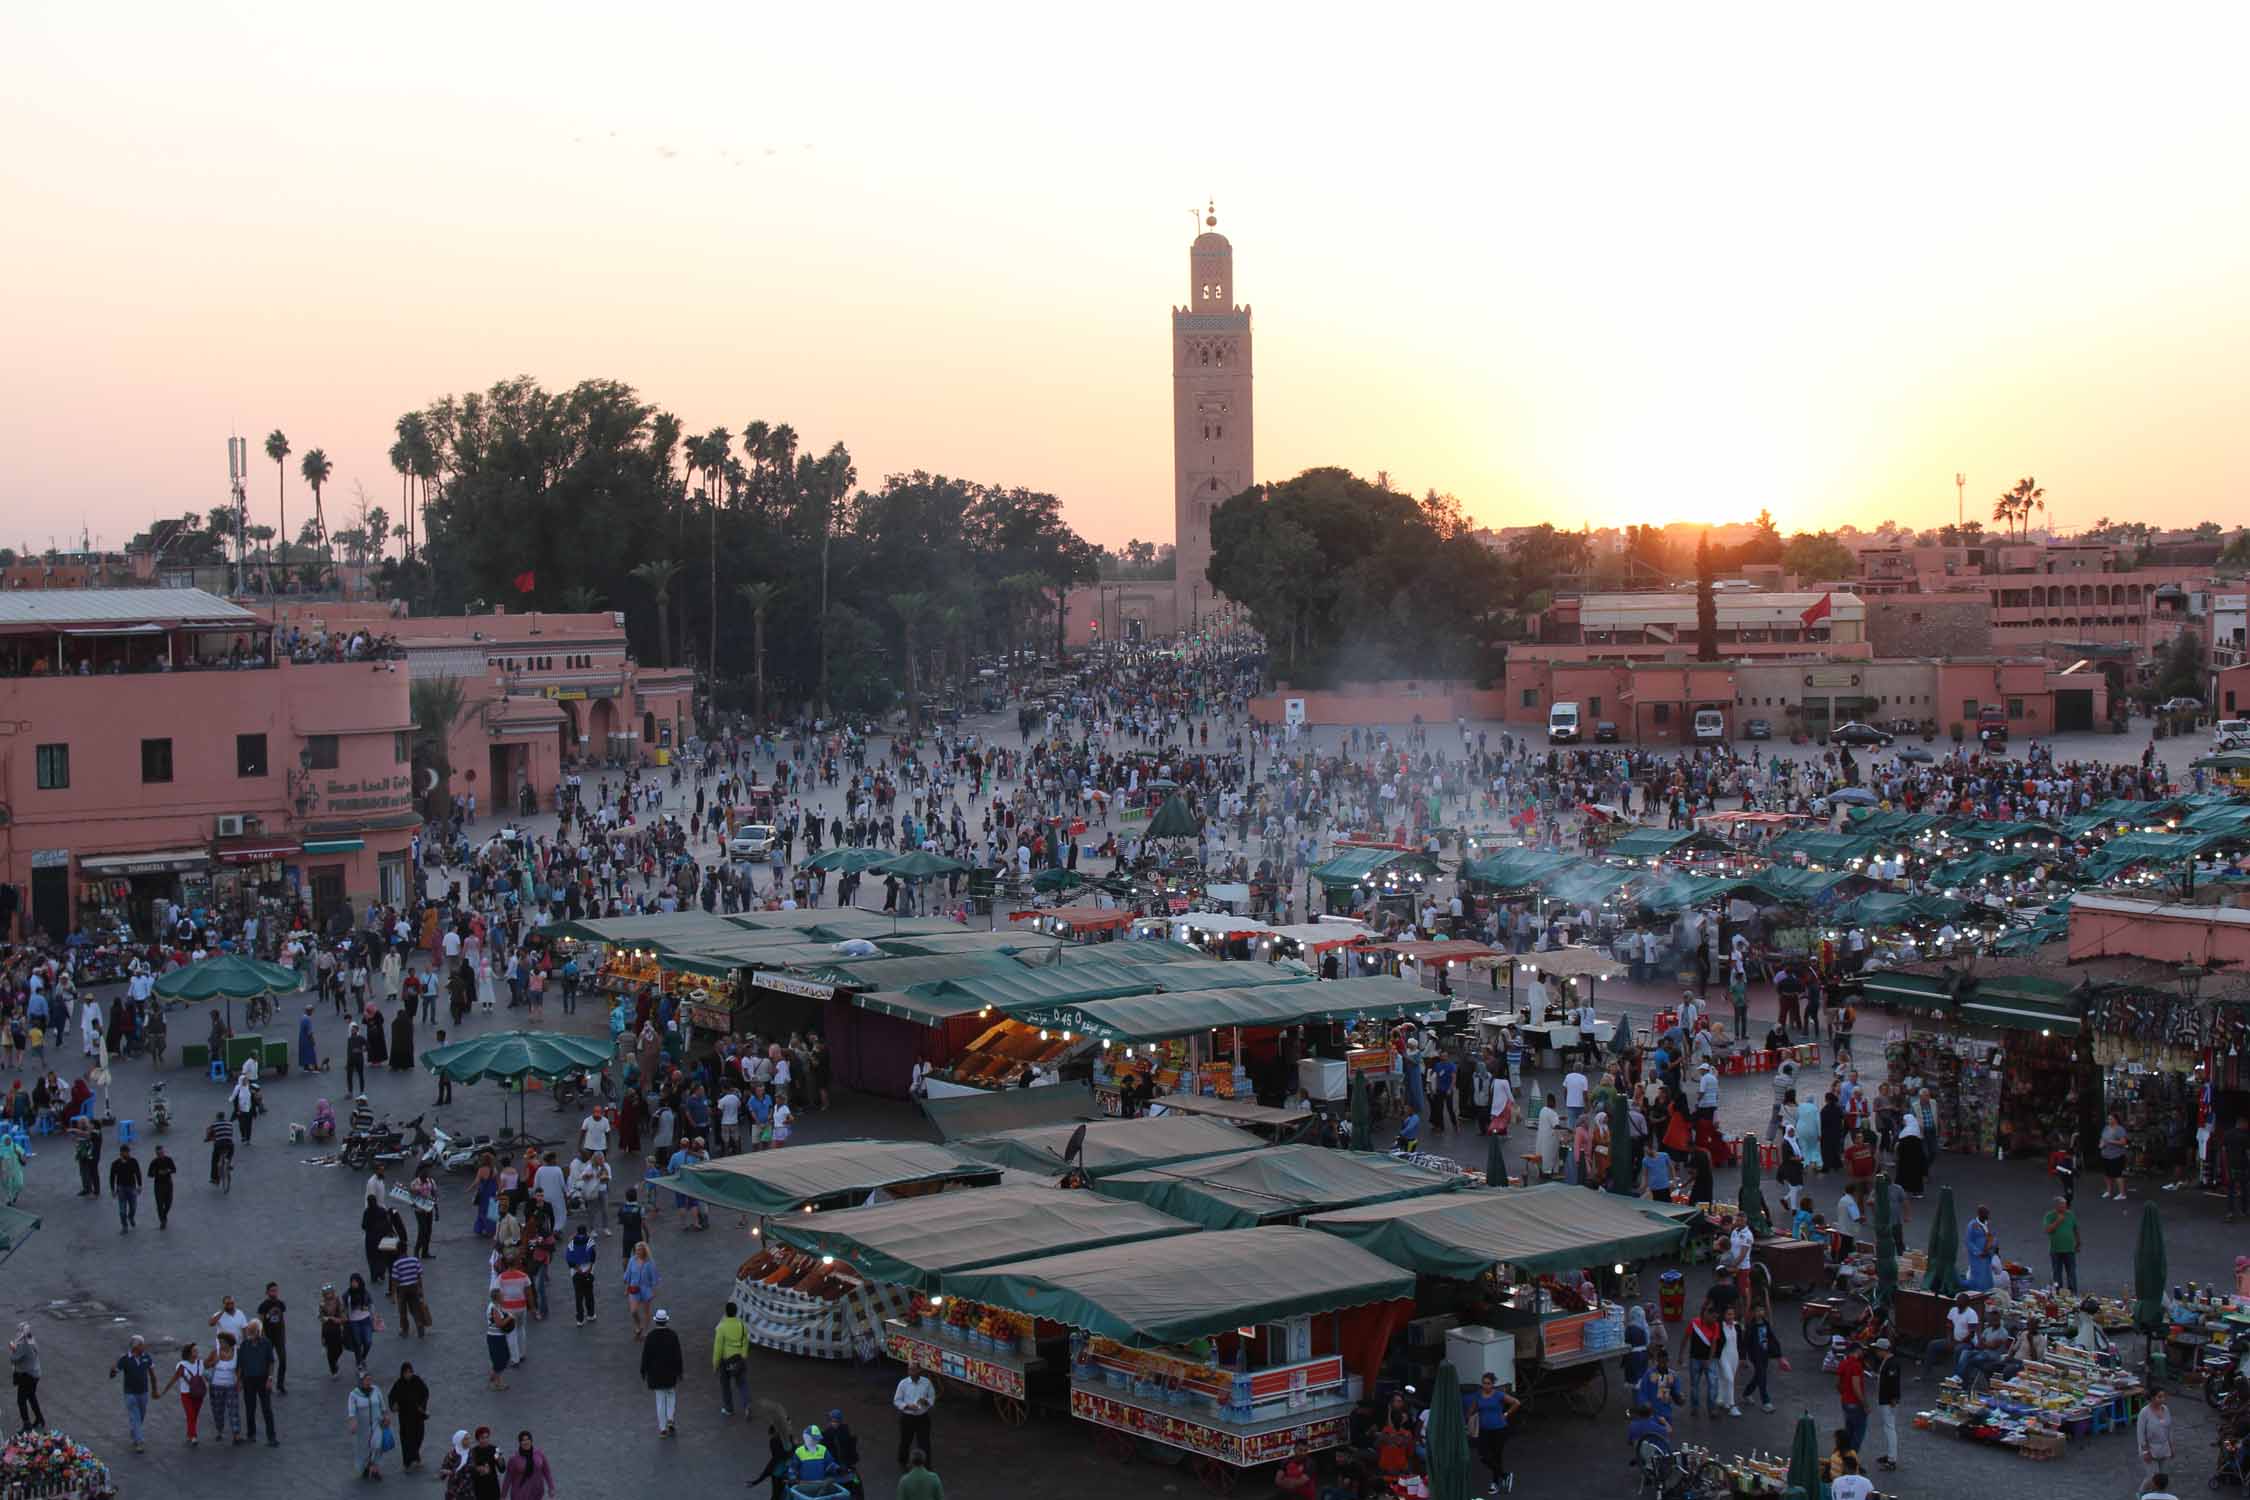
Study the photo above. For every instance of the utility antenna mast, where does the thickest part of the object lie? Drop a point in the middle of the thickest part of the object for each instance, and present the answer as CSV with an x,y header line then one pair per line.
x,y
238,469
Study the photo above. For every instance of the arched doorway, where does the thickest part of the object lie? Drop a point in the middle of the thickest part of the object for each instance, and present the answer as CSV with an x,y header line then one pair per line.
x,y
601,728
568,733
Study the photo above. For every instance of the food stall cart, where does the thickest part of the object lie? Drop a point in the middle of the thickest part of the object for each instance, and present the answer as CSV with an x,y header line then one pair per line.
x,y
1232,1350
1533,1234
909,1246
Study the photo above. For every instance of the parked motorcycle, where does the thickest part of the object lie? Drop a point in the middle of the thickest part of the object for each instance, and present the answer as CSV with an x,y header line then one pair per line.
x,y
159,1108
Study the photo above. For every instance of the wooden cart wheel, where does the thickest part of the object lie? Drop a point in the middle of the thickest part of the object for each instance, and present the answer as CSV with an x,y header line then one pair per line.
x,y
1218,1477
1010,1410
1590,1396
1114,1444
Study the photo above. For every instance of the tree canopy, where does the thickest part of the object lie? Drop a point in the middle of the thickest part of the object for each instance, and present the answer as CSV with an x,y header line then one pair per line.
x,y
550,499
1348,579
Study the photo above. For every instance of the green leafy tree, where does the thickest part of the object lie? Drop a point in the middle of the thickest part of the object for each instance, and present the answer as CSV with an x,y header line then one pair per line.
x,y
1816,556
2181,675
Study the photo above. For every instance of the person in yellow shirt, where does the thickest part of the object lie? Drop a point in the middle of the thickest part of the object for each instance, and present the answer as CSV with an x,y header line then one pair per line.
x,y
730,1357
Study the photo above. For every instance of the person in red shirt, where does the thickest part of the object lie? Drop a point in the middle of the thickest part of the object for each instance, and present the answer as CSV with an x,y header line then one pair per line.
x,y
1851,1391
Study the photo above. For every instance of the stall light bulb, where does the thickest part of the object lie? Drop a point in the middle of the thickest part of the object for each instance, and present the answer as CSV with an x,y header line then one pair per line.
x,y
937,1302
828,1260
755,1231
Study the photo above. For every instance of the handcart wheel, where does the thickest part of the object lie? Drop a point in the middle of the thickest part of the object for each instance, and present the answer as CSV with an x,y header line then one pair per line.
x,y
1114,1444
1590,1396
1010,1411
1218,1477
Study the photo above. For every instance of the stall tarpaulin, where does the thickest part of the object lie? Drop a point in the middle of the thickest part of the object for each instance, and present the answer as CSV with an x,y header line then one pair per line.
x,y
913,1243
1279,1182
1149,1018
1550,1227
991,1111
794,1322
1169,1291
776,1182
1110,1145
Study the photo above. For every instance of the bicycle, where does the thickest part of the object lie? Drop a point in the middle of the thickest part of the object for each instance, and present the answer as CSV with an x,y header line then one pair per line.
x,y
226,1173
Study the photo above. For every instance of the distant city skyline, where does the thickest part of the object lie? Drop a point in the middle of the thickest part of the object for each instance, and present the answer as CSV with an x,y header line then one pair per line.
x,y
1814,264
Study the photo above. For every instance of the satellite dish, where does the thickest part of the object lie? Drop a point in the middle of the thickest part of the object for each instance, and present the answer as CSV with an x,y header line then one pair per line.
x,y
1076,1147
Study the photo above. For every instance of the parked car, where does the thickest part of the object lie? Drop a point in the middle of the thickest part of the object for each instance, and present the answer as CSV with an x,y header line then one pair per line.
x,y
2180,706
1855,733
752,841
1605,733
1757,729
1916,754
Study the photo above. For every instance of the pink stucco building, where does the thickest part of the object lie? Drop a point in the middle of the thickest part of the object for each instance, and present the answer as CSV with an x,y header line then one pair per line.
x,y
543,693
153,743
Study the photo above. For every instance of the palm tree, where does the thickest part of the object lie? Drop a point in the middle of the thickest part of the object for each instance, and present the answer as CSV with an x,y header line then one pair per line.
x,y
581,599
316,468
658,573
718,448
277,449
437,704
836,478
953,629
760,598
757,437
912,609
2015,507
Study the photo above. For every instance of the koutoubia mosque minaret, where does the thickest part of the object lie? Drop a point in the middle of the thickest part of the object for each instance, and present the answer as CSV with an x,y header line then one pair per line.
x,y
1211,427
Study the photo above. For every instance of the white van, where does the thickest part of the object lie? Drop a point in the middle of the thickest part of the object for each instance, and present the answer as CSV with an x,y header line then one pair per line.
x,y
1710,726
1562,724
2231,734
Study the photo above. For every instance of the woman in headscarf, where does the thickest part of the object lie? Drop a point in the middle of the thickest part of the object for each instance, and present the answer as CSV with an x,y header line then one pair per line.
x,y
453,1469
1911,1162
402,1040
11,1168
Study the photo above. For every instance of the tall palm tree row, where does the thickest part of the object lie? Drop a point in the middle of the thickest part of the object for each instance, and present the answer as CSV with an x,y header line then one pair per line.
x,y
658,573
760,597
277,449
912,609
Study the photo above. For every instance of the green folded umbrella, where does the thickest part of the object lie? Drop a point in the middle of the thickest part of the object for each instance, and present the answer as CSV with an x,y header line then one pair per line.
x,y
1886,1247
1621,1037
2150,1273
1174,820
1363,1125
1944,1274
918,864
847,859
1804,1458
1055,878
1448,1438
1752,1197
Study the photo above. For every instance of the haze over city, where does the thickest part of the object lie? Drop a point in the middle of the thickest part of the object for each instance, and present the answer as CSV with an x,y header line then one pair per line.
x,y
1642,268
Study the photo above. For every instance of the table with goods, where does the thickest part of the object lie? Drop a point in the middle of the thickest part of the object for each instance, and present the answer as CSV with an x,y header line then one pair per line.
x,y
989,1349
2068,1393
1230,1413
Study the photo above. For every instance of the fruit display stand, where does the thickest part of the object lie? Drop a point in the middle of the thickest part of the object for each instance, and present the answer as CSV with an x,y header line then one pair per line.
x,y
998,1057
1229,1420
969,1345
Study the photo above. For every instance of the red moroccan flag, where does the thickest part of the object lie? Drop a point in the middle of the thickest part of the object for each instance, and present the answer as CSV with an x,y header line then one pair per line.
x,y
1821,609
526,582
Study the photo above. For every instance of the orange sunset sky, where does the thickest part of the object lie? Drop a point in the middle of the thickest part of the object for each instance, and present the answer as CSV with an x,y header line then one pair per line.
x,y
1604,265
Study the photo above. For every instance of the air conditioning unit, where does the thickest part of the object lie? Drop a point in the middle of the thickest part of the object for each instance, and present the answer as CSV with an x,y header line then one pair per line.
x,y
231,825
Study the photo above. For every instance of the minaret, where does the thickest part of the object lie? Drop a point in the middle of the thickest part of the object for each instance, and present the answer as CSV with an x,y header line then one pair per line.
x,y
1211,458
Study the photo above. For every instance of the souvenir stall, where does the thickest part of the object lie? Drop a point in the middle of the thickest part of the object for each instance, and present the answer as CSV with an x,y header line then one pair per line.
x,y
1231,1350
50,1465
2069,1393
1382,885
1510,1275
1007,1355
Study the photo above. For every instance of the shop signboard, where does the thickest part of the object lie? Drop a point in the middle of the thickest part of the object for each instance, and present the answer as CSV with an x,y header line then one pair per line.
x,y
804,989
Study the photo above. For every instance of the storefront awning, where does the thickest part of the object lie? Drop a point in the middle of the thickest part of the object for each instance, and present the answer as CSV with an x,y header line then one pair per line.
x,y
1920,991
334,846
2023,1003
153,862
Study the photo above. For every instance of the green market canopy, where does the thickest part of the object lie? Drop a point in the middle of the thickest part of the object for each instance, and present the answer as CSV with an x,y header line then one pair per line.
x,y
1897,987
1279,1182
2021,838
1111,1145
1586,885
1793,887
778,1182
1371,866
1169,1291
1150,1018
1682,891
1551,1227
2023,1002
1833,851
1976,869
990,1111
2129,849
1655,843
663,931
1896,909
1174,820
915,1241
2050,927
1892,827
2120,813
1513,869
1028,987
